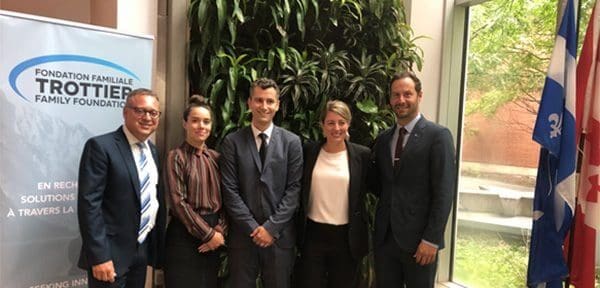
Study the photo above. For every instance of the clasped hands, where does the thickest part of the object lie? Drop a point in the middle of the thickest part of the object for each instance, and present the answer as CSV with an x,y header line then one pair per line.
x,y
262,237
215,242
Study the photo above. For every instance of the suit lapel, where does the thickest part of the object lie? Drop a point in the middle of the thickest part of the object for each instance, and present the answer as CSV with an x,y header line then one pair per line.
x,y
125,151
414,138
272,147
412,143
354,166
310,160
251,145
386,141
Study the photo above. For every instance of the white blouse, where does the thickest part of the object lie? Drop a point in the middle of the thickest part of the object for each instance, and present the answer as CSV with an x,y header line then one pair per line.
x,y
328,199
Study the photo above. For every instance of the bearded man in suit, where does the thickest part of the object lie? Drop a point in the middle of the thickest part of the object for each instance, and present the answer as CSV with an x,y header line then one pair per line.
x,y
414,177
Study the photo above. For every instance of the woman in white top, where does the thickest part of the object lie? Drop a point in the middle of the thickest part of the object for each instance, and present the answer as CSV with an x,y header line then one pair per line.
x,y
333,235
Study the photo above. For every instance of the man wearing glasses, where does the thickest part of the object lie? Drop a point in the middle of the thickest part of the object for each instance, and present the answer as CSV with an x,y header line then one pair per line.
x,y
121,209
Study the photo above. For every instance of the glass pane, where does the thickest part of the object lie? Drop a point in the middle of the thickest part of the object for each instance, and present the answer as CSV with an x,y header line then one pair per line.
x,y
510,43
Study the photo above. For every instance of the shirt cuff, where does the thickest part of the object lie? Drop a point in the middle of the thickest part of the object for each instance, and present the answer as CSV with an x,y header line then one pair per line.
x,y
430,244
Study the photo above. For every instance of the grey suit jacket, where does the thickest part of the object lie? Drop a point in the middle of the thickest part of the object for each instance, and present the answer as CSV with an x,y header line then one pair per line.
x,y
415,198
108,205
256,195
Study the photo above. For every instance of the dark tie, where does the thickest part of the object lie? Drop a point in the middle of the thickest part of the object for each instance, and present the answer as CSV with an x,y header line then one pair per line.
x,y
263,148
398,152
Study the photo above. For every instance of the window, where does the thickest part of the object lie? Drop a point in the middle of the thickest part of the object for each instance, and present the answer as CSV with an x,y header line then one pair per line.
x,y
509,46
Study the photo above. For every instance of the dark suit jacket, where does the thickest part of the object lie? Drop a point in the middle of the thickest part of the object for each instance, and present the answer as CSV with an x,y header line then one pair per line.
x,y
358,162
255,195
108,204
414,199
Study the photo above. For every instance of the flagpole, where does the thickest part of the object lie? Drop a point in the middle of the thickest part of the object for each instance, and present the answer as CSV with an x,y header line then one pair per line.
x,y
577,173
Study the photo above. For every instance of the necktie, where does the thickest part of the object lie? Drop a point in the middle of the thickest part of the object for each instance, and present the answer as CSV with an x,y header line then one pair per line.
x,y
398,152
262,151
145,194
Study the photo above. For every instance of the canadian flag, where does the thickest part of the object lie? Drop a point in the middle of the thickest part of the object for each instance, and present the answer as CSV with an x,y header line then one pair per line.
x,y
587,212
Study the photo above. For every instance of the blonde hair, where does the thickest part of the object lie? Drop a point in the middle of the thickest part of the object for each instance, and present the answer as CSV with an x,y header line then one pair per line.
x,y
337,107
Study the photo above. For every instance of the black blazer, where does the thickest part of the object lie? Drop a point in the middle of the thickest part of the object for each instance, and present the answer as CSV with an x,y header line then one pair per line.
x,y
415,198
256,194
108,204
358,162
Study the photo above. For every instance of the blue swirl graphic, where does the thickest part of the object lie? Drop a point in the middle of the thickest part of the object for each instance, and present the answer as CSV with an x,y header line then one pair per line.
x,y
15,72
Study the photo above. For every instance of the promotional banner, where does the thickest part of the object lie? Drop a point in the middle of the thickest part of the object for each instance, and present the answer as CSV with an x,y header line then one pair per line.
x,y
60,84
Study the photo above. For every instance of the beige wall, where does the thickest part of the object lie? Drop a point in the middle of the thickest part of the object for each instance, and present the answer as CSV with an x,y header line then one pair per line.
x,y
96,12
426,17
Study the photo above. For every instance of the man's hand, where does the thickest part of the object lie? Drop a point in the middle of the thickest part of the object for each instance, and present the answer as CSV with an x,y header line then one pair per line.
x,y
215,242
425,254
104,271
262,237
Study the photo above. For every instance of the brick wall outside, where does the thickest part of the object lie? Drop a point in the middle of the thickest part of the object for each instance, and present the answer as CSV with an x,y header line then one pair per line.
x,y
503,139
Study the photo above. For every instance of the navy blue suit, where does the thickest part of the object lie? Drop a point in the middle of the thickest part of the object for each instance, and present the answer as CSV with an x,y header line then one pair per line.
x,y
108,205
415,198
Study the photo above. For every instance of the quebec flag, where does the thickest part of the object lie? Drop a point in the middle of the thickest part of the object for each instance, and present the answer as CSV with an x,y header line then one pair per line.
x,y
555,186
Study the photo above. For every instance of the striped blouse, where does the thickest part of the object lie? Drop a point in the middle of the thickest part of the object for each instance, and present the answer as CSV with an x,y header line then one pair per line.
x,y
193,181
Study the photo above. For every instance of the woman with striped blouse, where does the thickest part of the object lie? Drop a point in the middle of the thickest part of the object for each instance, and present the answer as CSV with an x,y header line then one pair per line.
x,y
197,225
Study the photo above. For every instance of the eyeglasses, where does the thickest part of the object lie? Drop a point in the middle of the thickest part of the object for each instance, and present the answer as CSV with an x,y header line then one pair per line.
x,y
139,112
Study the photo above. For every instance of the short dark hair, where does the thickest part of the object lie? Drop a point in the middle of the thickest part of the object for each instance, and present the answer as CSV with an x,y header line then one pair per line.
x,y
264,83
406,74
138,92
196,101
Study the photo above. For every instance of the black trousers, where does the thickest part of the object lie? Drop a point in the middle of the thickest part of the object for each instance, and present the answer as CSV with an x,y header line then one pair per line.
x,y
326,260
184,265
395,267
135,277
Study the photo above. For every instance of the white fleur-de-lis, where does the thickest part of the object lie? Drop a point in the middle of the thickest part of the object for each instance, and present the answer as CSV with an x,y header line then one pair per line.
x,y
556,125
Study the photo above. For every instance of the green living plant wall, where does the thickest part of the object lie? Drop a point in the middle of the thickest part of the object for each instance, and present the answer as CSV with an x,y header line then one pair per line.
x,y
316,50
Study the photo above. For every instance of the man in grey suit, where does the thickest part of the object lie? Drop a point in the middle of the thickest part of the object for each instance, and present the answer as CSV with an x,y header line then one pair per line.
x,y
261,169
414,177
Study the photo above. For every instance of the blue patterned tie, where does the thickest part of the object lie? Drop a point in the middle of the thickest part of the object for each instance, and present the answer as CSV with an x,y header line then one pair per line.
x,y
145,193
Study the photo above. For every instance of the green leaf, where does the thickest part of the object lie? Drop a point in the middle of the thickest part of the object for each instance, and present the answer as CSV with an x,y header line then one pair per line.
x,y
300,23
203,15
237,11
215,90
221,14
282,57
367,106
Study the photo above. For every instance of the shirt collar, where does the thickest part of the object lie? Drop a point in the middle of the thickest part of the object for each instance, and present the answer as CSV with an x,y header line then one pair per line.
x,y
132,140
193,149
267,131
411,125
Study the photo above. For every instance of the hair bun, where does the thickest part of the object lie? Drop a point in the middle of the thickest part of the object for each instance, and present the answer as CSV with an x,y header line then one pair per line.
x,y
197,100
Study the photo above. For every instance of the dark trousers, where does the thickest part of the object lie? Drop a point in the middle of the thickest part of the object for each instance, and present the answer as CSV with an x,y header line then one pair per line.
x,y
395,267
135,277
326,260
274,264
184,265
